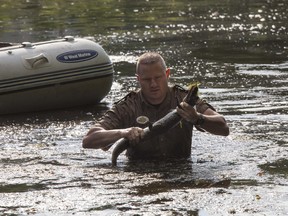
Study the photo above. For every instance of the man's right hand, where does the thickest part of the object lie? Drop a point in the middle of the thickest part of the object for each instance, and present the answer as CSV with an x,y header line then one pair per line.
x,y
98,137
133,134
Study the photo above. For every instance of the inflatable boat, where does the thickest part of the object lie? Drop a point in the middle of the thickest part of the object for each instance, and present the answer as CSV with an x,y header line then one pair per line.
x,y
53,74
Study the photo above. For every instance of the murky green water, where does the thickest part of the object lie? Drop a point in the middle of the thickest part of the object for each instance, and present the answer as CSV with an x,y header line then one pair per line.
x,y
236,49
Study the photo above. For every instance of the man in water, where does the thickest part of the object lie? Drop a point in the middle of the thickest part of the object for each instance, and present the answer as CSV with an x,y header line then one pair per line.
x,y
154,100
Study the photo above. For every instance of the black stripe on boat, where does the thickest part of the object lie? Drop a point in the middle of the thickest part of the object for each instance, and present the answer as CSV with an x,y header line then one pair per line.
x,y
56,77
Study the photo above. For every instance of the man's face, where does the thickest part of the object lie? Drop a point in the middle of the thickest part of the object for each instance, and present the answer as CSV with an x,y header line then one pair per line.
x,y
153,80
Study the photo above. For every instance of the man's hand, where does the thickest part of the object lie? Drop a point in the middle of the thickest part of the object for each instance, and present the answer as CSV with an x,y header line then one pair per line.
x,y
188,112
133,134
98,137
213,122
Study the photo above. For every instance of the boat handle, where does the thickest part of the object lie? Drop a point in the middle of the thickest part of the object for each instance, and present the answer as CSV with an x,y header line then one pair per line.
x,y
37,61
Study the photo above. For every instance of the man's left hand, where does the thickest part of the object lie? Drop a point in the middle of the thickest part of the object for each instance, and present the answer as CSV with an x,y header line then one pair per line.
x,y
188,112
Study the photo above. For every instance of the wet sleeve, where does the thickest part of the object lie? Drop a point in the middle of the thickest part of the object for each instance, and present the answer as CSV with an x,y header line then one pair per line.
x,y
110,120
202,106
120,116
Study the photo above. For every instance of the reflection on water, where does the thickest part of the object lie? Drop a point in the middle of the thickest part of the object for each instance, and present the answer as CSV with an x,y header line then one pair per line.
x,y
236,49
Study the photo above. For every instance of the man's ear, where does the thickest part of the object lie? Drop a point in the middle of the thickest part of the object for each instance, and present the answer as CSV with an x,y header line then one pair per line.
x,y
168,72
137,77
